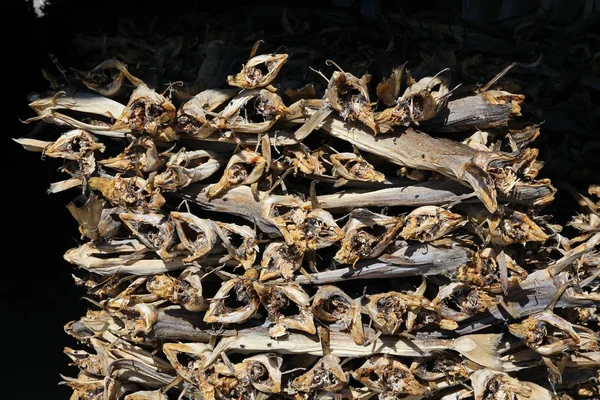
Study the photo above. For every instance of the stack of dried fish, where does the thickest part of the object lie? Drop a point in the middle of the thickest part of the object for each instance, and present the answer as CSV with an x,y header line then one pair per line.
x,y
373,240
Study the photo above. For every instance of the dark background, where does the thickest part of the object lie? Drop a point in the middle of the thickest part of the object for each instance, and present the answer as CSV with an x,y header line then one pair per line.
x,y
36,290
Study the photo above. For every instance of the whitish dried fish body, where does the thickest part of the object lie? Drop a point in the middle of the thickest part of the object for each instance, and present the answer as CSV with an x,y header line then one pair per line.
x,y
548,334
280,260
429,223
327,374
236,301
148,112
87,211
193,117
494,385
133,193
458,301
259,71
244,168
251,105
390,311
366,234
299,158
331,305
140,155
443,366
349,96
185,289
186,167
77,145
197,235
154,230
385,374
484,272
279,301
107,77
239,241
352,167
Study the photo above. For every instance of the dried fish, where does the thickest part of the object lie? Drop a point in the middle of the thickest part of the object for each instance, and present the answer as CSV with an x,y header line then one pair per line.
x,y
186,167
259,71
331,305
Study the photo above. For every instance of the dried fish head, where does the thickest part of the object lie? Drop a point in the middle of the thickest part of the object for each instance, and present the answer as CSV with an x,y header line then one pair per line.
x,y
186,167
107,77
429,223
194,116
493,385
132,193
441,366
154,230
349,96
259,71
244,168
91,364
236,301
385,374
262,371
507,170
483,271
388,90
458,301
185,290
288,214
352,167
515,228
300,159
252,111
148,112
388,311
503,97
548,334
239,241
188,360
321,230
77,145
280,260
327,374
366,234
197,235
331,305
140,155
280,301
87,211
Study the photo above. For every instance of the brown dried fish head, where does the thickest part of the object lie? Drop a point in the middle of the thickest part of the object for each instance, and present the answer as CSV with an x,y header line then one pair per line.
x,y
388,310
244,168
235,302
252,111
132,193
483,271
197,235
280,260
331,304
259,71
107,77
239,241
263,372
349,96
289,214
140,155
321,230
187,289
458,301
77,145
441,366
155,230
188,360
186,167
515,228
386,374
327,374
353,167
493,385
300,158
281,303
194,116
148,112
429,223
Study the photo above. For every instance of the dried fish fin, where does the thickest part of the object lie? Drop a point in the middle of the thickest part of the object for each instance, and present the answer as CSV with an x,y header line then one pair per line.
x,y
34,145
388,90
87,211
